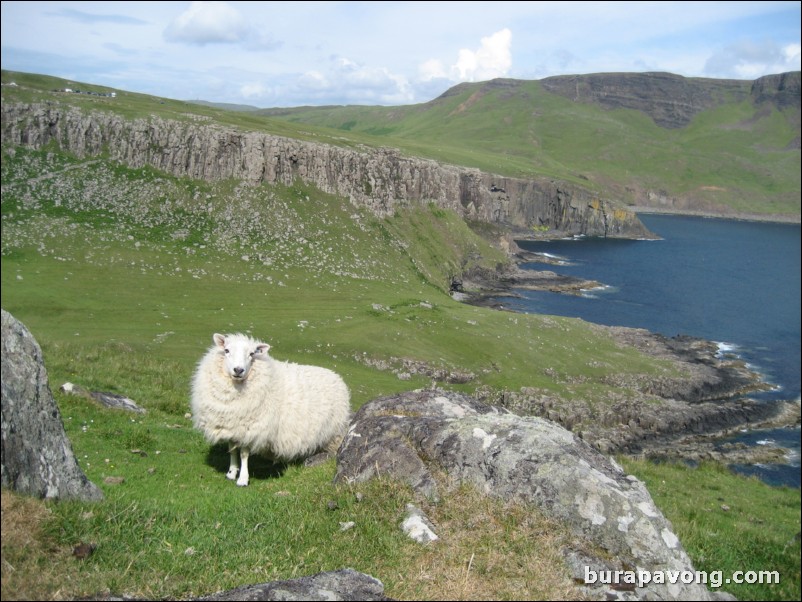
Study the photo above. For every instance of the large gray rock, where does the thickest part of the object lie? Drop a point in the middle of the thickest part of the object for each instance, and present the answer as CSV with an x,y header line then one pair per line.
x,y
37,458
409,435
345,584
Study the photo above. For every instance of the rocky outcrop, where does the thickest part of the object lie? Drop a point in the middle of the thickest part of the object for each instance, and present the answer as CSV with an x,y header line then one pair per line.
x,y
345,584
114,401
782,90
379,179
37,458
670,100
705,393
412,435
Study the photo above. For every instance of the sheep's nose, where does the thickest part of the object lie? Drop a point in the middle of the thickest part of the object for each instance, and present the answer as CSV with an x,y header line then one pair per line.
x,y
238,371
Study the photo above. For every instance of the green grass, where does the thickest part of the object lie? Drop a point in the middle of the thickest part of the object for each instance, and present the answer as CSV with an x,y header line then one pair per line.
x,y
123,275
104,256
176,526
171,525
733,157
730,523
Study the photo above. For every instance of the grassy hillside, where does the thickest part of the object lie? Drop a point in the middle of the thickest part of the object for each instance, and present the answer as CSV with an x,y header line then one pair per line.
x,y
31,87
735,158
123,275
737,155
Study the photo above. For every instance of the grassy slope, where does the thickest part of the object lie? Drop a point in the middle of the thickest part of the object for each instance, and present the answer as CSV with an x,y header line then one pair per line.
x,y
123,275
732,155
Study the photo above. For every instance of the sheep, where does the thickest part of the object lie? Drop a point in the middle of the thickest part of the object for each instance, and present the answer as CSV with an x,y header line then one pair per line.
x,y
242,396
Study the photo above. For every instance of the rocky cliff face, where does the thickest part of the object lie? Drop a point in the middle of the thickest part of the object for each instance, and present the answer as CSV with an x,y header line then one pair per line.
x,y
380,179
671,100
782,89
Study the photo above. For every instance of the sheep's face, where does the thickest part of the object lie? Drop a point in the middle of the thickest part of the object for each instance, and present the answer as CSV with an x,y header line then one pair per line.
x,y
239,353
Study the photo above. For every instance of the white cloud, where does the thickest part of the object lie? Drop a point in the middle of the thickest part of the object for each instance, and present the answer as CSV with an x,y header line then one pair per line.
x,y
431,69
748,59
492,59
208,23
793,56
253,90
313,80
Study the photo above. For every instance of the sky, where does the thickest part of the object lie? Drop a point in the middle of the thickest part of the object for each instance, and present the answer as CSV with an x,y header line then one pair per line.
x,y
287,54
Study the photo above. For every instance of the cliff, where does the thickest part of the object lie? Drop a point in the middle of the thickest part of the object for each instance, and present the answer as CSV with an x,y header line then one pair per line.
x,y
671,100
379,179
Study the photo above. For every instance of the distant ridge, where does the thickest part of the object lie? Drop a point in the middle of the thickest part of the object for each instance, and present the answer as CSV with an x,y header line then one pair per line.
x,y
228,106
652,140
672,101
645,141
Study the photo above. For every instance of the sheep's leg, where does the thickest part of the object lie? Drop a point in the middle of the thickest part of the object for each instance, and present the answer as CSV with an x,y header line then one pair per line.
x,y
242,481
233,467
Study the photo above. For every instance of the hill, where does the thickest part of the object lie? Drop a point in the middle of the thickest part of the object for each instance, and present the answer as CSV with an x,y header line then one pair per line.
x,y
653,140
228,106
134,227
188,140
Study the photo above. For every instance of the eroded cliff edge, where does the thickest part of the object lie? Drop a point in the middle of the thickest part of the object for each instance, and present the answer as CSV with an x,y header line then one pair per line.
x,y
379,179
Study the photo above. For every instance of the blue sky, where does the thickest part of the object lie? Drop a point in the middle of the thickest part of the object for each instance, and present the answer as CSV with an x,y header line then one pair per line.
x,y
273,54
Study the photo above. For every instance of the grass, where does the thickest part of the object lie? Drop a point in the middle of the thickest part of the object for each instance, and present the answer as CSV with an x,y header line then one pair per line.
x,y
119,260
123,275
730,523
176,527
734,156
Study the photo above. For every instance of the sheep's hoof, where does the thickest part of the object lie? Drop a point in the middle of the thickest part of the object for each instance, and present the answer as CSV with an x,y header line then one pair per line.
x,y
242,483
231,475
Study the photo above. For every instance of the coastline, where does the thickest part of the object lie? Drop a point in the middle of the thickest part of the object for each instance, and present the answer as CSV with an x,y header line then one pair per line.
x,y
482,287
682,419
744,217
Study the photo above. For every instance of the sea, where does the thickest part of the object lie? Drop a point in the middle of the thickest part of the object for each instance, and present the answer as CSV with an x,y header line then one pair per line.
x,y
733,282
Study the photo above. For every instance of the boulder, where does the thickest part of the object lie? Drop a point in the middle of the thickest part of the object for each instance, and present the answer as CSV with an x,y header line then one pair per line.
x,y
411,435
345,584
37,458
113,401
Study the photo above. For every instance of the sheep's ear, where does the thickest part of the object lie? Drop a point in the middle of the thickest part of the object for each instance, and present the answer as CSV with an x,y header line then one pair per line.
x,y
262,348
219,340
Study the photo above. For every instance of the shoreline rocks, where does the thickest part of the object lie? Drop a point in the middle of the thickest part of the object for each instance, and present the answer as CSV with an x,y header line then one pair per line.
x,y
680,418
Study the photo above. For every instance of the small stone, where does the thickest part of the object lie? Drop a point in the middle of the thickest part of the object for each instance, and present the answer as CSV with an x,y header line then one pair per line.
x,y
84,550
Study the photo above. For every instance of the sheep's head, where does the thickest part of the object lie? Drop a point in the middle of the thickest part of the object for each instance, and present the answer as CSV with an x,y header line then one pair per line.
x,y
239,353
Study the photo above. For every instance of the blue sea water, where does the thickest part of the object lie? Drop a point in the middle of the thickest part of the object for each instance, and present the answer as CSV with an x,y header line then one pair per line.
x,y
733,282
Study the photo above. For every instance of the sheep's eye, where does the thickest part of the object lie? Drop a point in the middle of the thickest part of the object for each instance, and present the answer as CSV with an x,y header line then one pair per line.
x,y
226,350
253,353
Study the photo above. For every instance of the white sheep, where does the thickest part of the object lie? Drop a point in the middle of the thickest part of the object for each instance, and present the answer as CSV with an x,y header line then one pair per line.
x,y
242,396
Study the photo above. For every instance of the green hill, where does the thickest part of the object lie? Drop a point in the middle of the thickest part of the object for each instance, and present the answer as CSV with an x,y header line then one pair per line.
x,y
123,272
654,140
